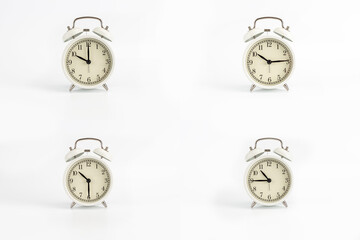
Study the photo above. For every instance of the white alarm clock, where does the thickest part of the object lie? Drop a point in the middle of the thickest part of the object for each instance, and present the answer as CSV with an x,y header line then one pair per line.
x,y
269,59
87,178
268,178
88,60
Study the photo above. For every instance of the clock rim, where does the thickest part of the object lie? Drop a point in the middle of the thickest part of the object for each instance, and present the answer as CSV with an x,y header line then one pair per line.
x,y
72,81
251,43
73,162
254,162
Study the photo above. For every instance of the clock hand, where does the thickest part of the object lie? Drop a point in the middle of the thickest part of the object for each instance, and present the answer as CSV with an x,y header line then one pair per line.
x,y
280,61
88,182
262,57
267,179
84,176
82,58
262,180
88,53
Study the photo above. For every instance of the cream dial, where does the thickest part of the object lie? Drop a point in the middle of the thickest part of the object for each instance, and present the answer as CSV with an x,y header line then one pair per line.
x,y
88,180
269,62
88,61
268,180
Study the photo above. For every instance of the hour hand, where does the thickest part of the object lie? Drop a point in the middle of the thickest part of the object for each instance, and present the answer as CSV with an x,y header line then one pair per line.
x,y
81,58
263,57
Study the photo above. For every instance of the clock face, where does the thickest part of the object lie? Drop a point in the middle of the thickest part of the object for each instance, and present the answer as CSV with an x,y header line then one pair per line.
x,y
88,180
268,180
269,62
88,62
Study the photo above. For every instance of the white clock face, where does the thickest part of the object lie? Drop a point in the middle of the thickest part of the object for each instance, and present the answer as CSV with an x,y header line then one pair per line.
x,y
88,62
88,180
268,180
269,62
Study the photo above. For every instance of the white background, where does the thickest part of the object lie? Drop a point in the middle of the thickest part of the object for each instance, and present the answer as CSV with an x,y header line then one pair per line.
x,y
178,120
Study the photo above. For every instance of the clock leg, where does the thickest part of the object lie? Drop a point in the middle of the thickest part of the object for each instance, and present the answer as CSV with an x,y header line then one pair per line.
x,y
253,204
285,203
252,87
71,87
72,204
104,204
105,86
286,87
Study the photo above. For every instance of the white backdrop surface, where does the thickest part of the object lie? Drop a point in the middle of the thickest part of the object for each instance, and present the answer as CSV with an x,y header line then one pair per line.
x,y
179,119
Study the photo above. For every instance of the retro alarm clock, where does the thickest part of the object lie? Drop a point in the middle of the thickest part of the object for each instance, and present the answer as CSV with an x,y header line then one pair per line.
x,y
87,178
88,60
268,60
268,178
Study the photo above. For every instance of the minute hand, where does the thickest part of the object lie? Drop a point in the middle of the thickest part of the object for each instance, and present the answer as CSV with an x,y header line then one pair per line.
x,y
280,61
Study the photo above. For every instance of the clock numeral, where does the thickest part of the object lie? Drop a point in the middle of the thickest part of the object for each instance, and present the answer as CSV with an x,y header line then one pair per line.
x,y
80,166
254,54
269,79
278,194
278,77
251,180
97,46
104,70
261,76
75,173
268,164
104,52
261,194
71,180
80,193
73,189
88,197
73,70
97,195
106,180
283,171
269,44
103,172
250,62
260,47
88,44
286,180
80,76
69,62
284,188
89,79
261,166
284,52
269,197
284,70
277,165
96,166
73,54
103,188
254,189
88,164
255,172
98,77
107,61
253,71
79,47
277,47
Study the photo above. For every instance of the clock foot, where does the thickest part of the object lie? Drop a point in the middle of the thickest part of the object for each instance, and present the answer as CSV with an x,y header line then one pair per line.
x,y
286,87
104,204
285,203
72,204
105,86
253,204
252,87
71,87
